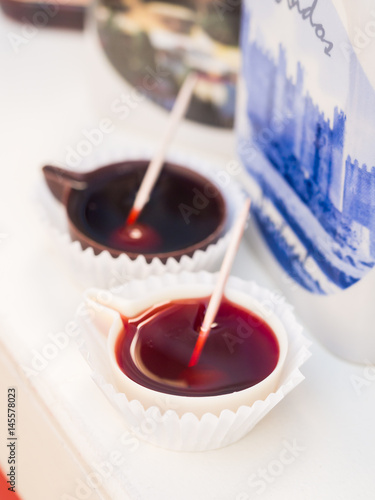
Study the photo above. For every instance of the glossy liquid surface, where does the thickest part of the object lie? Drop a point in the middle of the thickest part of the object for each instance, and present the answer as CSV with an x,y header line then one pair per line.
x,y
164,225
155,348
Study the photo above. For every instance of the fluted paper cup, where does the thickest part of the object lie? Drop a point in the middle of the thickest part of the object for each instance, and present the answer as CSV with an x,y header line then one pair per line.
x,y
104,270
167,421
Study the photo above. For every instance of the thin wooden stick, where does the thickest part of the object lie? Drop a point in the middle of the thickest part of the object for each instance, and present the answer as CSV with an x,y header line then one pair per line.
x,y
154,168
217,294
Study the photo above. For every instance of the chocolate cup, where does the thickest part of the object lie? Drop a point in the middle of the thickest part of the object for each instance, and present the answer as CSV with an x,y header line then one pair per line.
x,y
74,190
60,16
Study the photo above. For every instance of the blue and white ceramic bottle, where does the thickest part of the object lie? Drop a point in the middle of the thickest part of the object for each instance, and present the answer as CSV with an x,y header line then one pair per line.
x,y
305,128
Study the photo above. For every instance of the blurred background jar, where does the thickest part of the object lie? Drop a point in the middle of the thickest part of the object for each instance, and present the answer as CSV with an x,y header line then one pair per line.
x,y
143,48
168,39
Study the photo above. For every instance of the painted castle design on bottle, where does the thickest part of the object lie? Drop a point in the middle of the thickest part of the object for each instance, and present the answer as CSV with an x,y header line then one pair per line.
x,y
318,208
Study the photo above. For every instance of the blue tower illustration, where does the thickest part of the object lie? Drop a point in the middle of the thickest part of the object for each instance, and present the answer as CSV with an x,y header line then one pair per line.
x,y
307,150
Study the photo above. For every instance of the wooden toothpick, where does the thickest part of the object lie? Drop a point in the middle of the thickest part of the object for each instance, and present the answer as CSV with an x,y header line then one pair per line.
x,y
154,168
224,272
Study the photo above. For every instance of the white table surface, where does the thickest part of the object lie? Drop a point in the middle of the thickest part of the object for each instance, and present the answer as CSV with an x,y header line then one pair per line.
x,y
45,103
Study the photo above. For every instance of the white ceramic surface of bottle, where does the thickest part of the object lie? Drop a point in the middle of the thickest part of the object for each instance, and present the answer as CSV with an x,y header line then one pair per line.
x,y
305,130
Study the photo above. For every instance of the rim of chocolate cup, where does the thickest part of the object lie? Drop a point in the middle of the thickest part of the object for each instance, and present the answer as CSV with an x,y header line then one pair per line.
x,y
63,194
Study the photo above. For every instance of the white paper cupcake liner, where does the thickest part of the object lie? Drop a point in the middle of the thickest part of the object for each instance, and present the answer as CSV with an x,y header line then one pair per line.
x,y
105,271
161,425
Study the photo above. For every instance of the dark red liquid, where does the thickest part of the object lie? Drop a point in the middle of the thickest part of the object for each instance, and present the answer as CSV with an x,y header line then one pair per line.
x,y
155,348
101,210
